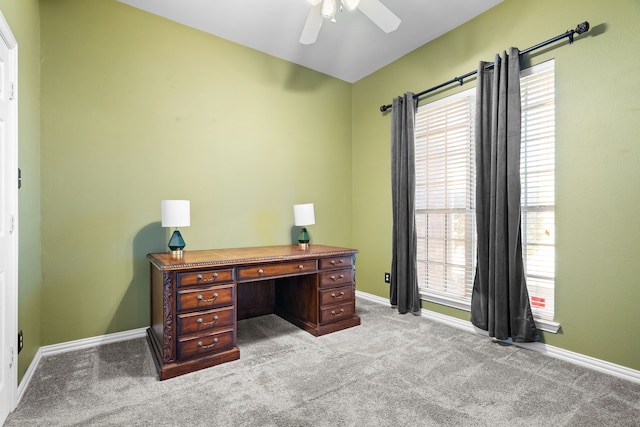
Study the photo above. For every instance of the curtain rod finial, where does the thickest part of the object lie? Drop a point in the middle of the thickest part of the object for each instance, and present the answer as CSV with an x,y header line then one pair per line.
x,y
384,108
582,28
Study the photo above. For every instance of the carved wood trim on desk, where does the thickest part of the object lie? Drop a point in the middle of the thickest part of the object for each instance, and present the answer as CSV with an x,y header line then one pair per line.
x,y
168,313
313,289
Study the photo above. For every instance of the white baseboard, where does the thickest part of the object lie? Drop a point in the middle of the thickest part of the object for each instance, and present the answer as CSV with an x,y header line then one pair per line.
x,y
26,379
549,350
49,350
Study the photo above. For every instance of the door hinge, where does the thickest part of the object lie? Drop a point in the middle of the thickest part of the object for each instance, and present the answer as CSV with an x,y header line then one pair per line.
x,y
14,89
12,356
12,224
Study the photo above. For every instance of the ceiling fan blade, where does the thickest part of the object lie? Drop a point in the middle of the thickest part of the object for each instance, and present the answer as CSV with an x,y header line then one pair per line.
x,y
312,25
379,14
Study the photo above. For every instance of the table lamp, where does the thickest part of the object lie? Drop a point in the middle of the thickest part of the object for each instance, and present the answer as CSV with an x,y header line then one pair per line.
x,y
176,213
303,215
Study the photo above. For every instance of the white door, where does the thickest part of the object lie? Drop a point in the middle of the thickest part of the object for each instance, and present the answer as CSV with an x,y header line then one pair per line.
x,y
8,221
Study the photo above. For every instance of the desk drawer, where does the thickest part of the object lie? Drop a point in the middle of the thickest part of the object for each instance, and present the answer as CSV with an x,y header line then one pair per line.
x,y
203,298
205,320
336,262
205,277
336,295
204,344
335,313
336,278
282,269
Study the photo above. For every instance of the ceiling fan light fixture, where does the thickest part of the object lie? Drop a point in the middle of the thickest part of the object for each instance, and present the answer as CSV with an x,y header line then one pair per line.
x,y
328,9
350,4
378,13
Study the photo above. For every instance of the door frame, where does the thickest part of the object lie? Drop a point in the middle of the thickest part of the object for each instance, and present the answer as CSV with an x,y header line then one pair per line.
x,y
12,197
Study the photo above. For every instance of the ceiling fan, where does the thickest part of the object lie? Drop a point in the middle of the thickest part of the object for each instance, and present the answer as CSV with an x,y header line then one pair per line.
x,y
326,9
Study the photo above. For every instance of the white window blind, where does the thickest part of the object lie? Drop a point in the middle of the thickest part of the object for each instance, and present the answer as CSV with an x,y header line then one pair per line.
x,y
445,201
537,175
445,194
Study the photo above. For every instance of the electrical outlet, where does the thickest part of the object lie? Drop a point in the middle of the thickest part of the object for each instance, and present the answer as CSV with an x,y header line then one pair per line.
x,y
387,277
20,342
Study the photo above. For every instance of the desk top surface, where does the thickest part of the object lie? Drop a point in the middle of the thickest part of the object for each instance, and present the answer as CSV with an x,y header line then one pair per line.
x,y
235,256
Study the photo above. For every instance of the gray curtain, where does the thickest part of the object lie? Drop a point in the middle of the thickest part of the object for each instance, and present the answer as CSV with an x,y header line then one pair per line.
x,y
500,301
404,292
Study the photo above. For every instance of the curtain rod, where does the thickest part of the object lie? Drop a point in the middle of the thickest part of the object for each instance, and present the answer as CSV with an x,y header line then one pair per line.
x,y
581,28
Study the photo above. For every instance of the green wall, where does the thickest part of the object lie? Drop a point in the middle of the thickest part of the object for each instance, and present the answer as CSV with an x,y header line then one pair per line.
x,y
598,153
136,109
120,109
23,19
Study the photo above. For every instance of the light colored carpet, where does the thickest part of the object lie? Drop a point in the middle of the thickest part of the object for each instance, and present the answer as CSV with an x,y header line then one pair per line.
x,y
393,370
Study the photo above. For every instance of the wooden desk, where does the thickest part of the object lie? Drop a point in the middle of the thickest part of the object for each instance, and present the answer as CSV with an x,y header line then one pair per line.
x,y
197,299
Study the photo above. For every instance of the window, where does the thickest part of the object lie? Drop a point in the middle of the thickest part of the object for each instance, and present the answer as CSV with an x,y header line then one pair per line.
x,y
537,175
445,195
445,198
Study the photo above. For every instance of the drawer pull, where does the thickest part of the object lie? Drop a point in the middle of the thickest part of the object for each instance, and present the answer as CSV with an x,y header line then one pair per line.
x,y
300,267
336,278
201,298
340,295
203,323
215,341
340,313
260,271
334,262
215,276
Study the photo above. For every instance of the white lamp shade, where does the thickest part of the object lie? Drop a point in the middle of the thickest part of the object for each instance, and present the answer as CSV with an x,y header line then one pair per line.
x,y
303,214
176,213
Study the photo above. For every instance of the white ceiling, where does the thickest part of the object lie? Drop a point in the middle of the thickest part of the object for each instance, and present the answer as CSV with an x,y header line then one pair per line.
x,y
349,49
